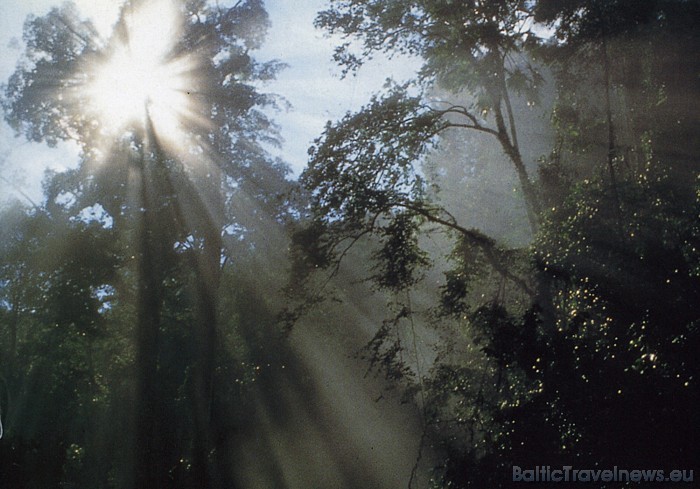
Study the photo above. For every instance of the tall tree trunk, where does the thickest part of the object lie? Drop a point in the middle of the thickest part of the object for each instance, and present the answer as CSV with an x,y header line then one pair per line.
x,y
148,460
612,146
509,142
203,201
205,469
532,205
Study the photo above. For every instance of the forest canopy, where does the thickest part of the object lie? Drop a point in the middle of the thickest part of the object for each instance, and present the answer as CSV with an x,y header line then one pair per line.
x,y
507,242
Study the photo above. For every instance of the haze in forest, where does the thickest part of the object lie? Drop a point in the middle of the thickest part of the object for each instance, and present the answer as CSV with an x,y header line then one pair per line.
x,y
348,244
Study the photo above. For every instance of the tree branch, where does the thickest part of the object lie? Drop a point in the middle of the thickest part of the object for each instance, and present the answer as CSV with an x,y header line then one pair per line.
x,y
486,244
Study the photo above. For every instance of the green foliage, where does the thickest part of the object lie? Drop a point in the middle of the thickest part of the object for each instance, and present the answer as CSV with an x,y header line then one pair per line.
x,y
580,345
567,351
469,265
116,325
384,350
53,333
366,162
460,41
37,92
363,181
399,256
363,171
67,361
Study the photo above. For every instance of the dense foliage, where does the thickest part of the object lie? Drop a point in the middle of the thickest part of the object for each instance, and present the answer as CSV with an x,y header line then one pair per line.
x,y
125,294
575,349
518,227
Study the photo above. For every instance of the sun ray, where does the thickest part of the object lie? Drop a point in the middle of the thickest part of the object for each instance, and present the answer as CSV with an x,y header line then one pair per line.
x,y
140,79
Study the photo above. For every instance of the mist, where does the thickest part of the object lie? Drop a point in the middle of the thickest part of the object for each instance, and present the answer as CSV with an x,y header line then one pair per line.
x,y
379,245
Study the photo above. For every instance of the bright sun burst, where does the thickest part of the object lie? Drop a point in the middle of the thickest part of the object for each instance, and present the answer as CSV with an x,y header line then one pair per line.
x,y
140,79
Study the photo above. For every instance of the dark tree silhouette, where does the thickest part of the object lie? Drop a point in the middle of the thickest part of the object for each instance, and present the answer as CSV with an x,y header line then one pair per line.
x,y
183,193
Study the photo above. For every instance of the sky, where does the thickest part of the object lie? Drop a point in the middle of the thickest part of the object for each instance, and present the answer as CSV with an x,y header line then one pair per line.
x,y
311,84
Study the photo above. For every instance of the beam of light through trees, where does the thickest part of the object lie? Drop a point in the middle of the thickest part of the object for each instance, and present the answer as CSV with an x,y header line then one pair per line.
x,y
141,77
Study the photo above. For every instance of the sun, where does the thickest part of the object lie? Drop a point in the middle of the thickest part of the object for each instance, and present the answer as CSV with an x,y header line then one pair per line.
x,y
140,79
132,86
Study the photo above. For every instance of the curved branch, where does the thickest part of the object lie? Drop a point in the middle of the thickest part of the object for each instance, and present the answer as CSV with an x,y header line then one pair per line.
x,y
463,111
486,244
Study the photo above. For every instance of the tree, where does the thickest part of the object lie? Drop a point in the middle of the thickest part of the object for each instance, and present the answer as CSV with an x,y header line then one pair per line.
x,y
473,47
54,335
184,191
364,176
590,374
560,350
